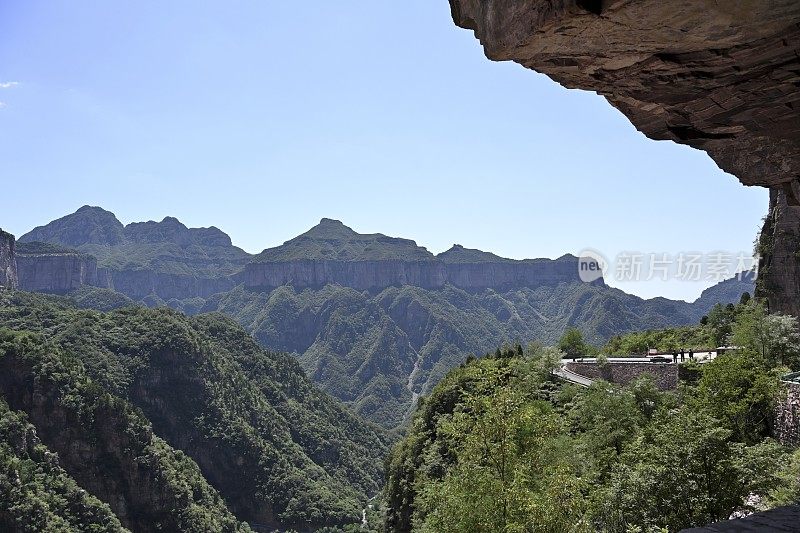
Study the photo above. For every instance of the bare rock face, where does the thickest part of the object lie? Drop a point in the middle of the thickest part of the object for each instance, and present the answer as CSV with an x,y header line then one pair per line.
x,y
361,275
57,273
8,264
779,248
433,274
332,253
723,77
138,284
158,260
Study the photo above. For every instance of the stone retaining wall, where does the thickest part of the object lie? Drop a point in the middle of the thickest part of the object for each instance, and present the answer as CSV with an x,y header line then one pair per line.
x,y
664,374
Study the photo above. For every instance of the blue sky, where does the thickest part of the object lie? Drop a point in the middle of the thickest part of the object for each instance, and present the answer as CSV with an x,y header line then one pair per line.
x,y
262,117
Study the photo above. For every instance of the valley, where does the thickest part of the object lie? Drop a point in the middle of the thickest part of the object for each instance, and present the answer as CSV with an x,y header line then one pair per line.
x,y
375,321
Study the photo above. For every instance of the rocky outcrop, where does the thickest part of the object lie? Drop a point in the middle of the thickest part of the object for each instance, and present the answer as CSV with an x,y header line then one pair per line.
x,y
144,260
786,424
8,263
361,275
57,273
502,274
723,77
87,225
377,275
729,290
779,249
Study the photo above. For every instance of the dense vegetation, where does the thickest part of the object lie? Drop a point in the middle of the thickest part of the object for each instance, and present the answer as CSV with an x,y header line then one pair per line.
x,y
362,347
499,446
724,325
36,495
88,297
375,351
105,444
277,450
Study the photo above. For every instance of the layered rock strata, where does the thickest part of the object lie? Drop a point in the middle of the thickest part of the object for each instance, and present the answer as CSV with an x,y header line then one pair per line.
x,y
57,273
380,274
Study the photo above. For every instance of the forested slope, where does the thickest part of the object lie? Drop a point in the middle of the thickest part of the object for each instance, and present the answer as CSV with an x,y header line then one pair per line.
x,y
247,422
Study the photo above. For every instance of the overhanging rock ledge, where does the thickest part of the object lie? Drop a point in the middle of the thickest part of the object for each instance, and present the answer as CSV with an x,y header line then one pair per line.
x,y
720,76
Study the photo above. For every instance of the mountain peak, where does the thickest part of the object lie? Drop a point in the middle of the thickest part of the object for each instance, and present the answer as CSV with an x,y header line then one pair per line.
x,y
88,225
459,254
332,240
330,229
92,209
172,221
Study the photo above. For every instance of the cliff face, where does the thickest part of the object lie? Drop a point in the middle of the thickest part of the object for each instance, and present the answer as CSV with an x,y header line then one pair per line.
x,y
779,247
723,77
8,264
141,283
378,275
503,274
52,269
155,260
333,253
362,275
57,273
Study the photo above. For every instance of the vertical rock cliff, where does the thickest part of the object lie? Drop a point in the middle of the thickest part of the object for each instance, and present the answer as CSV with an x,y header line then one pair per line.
x,y
8,264
48,268
158,260
723,77
332,253
779,248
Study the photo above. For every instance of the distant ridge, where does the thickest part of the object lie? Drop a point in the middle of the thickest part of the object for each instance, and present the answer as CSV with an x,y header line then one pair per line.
x,y
331,239
331,252
374,320
159,261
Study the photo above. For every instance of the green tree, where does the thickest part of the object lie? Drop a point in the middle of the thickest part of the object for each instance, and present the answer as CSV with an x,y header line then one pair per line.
x,y
740,391
720,320
510,474
543,360
572,343
774,337
607,418
683,471
744,299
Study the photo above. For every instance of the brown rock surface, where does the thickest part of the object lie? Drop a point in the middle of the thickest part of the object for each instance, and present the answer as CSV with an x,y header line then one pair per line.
x,y
723,77
779,247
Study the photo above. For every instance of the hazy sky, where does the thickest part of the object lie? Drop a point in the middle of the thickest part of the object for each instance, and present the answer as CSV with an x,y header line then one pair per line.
x,y
262,117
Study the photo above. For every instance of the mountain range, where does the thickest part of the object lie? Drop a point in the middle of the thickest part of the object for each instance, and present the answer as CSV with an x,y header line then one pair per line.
x,y
374,320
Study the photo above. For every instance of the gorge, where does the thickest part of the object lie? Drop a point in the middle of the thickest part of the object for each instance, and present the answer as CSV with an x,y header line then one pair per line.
x,y
374,320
